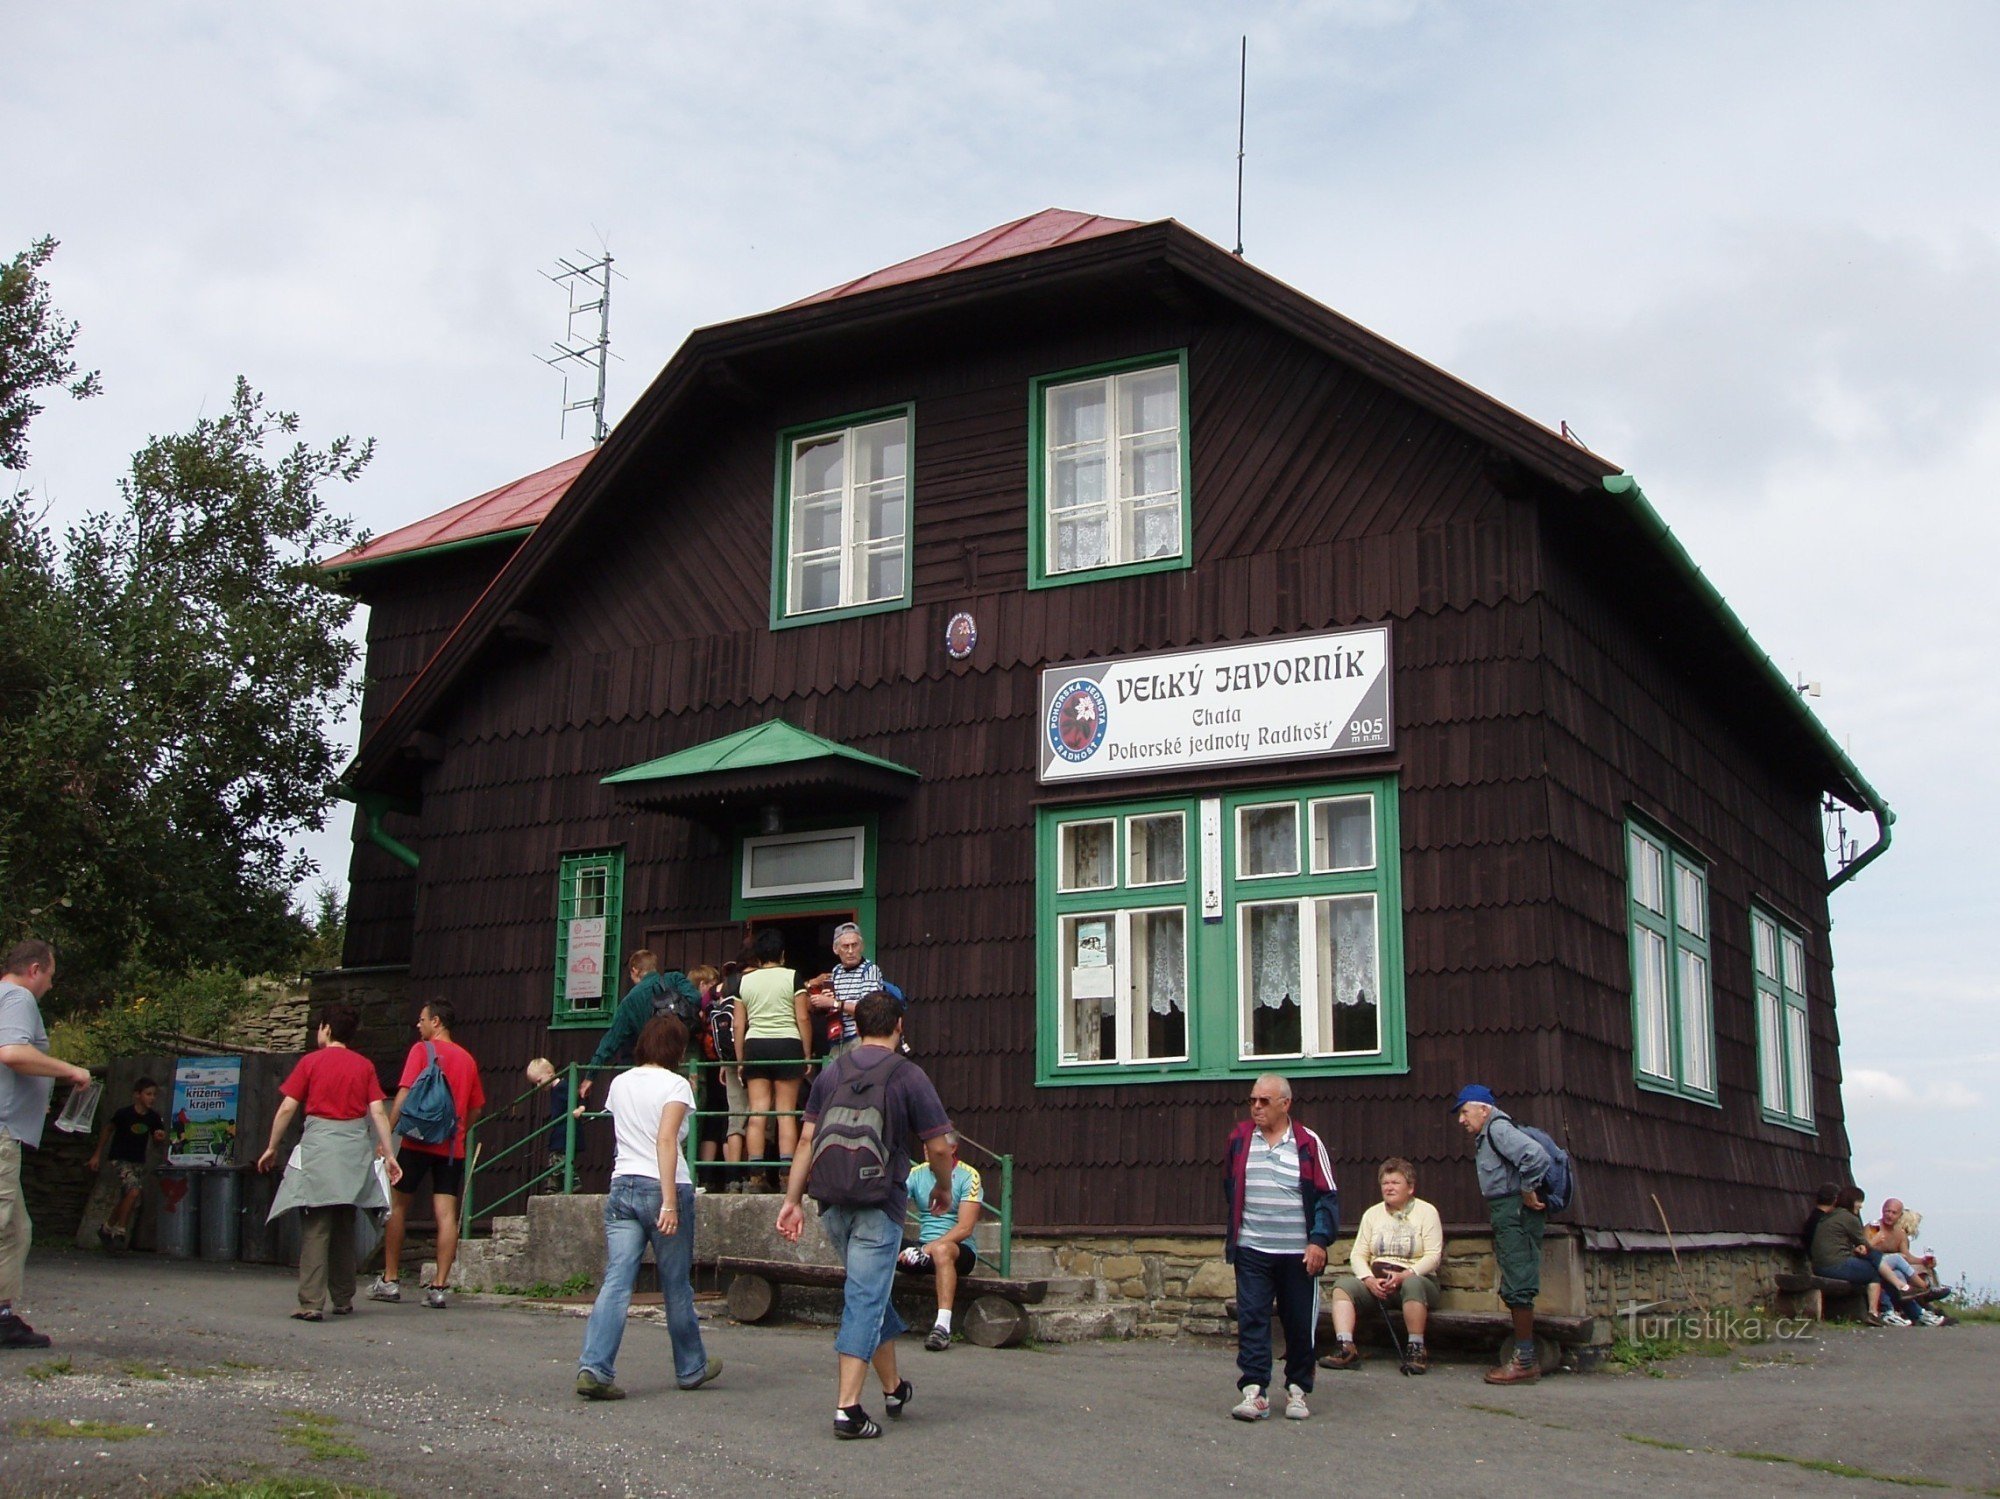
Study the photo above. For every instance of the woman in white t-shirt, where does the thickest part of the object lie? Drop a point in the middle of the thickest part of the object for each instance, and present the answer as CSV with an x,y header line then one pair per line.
x,y
650,1107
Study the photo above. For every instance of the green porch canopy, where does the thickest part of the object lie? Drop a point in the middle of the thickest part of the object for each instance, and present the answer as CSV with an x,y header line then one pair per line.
x,y
772,763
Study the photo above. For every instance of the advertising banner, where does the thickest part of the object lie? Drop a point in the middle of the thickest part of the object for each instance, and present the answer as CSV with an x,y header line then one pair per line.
x,y
201,1130
1283,699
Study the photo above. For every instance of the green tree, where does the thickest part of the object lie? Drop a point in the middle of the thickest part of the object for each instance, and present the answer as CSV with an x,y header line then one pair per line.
x,y
35,344
175,666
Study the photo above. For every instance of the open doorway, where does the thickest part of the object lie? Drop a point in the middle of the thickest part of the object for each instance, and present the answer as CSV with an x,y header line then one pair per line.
x,y
808,938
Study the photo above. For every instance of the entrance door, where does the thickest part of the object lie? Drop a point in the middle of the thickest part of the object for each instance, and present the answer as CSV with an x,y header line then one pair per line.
x,y
808,938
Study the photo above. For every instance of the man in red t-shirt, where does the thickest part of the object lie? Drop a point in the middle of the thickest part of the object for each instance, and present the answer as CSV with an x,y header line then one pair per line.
x,y
441,1165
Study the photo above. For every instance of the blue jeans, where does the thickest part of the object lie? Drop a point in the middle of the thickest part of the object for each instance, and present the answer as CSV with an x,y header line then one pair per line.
x,y
867,1241
1280,1280
631,1222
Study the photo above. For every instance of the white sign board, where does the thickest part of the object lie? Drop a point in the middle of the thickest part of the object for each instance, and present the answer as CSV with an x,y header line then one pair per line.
x,y
1284,699
583,977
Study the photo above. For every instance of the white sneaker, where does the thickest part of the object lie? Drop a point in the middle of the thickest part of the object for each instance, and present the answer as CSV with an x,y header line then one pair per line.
x,y
1295,1403
1928,1318
1253,1406
385,1290
1894,1318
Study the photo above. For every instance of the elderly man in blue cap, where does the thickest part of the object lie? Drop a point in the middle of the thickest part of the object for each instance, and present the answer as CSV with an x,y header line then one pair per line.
x,y
1511,1168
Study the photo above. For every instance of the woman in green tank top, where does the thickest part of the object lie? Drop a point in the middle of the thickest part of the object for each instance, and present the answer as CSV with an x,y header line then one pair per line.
x,y
772,1032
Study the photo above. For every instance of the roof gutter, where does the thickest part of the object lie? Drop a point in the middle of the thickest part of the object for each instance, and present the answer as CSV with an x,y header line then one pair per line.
x,y
1870,800
339,569
373,804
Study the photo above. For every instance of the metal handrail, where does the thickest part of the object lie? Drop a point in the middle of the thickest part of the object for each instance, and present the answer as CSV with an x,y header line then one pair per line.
x,y
572,1074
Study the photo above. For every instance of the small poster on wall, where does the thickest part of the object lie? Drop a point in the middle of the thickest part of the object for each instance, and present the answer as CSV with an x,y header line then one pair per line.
x,y
583,970
201,1131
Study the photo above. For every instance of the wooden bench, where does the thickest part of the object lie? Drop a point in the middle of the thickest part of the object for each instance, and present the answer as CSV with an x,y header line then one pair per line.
x,y
994,1310
1553,1332
1810,1295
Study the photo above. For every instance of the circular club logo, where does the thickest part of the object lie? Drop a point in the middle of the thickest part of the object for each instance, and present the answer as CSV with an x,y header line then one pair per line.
x,y
1077,720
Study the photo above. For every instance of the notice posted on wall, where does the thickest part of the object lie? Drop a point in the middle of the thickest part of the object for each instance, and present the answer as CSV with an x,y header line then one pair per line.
x,y
201,1130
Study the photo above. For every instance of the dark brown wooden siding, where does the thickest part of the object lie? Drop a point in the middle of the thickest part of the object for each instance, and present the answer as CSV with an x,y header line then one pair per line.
x,y
1627,732
412,606
1320,501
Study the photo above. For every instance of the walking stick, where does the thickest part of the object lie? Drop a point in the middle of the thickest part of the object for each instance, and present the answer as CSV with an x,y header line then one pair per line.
x,y
1402,1354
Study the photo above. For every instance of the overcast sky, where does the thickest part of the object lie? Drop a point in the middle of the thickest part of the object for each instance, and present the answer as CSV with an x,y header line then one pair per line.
x,y
1751,251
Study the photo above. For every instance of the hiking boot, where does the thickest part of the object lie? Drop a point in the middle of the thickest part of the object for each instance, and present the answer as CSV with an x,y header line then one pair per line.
x,y
938,1341
853,1424
894,1400
1344,1356
14,1333
1295,1403
1417,1360
385,1290
1514,1371
1253,1406
434,1298
713,1368
590,1387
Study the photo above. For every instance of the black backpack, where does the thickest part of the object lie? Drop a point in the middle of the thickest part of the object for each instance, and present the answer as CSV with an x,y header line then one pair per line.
x,y
850,1153
1559,1186
674,999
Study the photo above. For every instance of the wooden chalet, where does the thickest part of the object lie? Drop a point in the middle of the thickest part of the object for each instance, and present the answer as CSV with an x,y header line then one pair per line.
x,y
927,601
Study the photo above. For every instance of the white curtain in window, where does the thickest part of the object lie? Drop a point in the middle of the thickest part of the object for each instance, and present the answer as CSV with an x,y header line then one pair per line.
x,y
1697,1030
1161,936
1771,1050
1799,1058
1655,1039
1273,934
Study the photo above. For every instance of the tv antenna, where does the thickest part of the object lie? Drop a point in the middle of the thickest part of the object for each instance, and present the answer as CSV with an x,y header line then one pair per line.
x,y
1242,93
588,283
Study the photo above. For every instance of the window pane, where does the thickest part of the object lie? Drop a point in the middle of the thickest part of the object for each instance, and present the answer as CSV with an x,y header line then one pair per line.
x,y
1147,466
881,452
1267,840
1697,1031
1155,531
816,524
1795,964
1270,1009
1076,414
1799,1063
815,583
1149,401
1343,834
1090,1016
1080,543
1650,977
1771,1051
590,888
1350,993
884,574
1764,946
1690,900
1648,879
1077,481
1088,858
1156,850
826,862
816,465
1159,985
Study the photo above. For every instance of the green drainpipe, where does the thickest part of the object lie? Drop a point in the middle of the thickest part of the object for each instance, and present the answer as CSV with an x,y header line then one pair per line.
x,y
373,804
1627,488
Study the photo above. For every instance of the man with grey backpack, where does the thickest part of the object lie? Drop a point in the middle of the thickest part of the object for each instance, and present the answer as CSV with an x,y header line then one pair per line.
x,y
1524,1176
867,1109
439,1096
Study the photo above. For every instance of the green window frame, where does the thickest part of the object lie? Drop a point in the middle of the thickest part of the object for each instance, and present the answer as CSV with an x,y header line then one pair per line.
x,y
1784,1025
1168,928
1134,523
835,545
589,886
1673,975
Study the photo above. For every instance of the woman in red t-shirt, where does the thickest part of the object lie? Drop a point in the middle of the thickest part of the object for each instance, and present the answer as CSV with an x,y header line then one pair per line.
x,y
333,1171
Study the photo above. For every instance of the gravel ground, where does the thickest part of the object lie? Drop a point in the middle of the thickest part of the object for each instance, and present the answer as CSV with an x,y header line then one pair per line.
x,y
213,1382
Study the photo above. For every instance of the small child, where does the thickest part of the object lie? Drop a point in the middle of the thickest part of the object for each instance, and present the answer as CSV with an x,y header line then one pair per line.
x,y
130,1134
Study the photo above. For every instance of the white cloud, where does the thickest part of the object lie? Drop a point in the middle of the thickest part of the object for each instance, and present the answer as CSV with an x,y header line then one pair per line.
x,y
1869,1085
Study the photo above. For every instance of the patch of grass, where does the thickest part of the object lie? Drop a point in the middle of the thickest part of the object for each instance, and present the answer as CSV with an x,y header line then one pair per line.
x,y
91,1431
1495,1410
140,1369
1646,1441
289,1486
318,1436
1644,1355
54,1368
550,1290
1841,1470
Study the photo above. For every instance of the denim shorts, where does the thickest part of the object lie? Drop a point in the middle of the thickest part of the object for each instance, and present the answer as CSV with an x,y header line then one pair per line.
x,y
867,1241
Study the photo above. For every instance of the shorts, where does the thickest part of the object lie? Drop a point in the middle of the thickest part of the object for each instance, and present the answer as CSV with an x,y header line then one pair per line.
x,y
966,1259
1414,1288
445,1174
131,1175
777,1050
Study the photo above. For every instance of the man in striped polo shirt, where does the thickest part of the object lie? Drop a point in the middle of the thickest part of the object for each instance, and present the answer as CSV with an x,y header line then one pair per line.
x,y
1283,1213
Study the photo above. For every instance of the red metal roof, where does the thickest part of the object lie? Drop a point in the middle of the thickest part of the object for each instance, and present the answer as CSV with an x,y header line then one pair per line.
x,y
1038,231
517,506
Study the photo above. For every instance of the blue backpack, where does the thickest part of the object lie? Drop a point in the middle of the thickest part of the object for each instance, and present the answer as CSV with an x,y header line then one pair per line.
x,y
429,1113
1560,1184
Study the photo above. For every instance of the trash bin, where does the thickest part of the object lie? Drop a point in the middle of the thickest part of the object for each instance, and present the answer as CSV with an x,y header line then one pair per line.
x,y
259,1235
179,1207
221,1202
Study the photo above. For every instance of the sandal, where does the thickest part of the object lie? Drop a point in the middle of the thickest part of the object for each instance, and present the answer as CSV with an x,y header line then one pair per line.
x,y
302,1315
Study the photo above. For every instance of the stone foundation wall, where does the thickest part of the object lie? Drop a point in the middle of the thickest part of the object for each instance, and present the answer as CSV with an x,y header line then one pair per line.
x,y
1704,1278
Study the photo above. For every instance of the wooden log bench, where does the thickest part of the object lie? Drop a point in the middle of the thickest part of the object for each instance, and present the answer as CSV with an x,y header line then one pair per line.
x,y
1459,1329
1808,1295
991,1312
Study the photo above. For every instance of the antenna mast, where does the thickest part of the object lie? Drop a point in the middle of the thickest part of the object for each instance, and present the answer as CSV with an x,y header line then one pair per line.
x,y
581,281
1242,92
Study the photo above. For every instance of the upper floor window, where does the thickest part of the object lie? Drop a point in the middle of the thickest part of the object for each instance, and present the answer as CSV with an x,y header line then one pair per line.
x,y
843,518
1673,995
1109,470
1784,1029
590,904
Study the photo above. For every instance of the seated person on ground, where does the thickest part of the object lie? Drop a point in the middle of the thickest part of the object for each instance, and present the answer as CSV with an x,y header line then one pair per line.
x,y
1397,1251
942,1245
